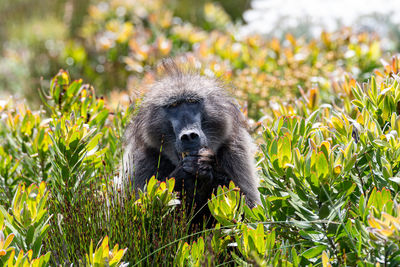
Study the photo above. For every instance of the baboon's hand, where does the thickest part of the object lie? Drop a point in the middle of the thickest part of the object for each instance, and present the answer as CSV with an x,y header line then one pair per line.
x,y
200,164
189,163
206,162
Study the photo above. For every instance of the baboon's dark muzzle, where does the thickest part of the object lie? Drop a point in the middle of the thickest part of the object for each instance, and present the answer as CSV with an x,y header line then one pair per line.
x,y
190,140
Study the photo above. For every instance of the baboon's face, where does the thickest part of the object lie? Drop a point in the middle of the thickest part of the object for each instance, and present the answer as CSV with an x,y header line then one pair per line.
x,y
185,119
184,114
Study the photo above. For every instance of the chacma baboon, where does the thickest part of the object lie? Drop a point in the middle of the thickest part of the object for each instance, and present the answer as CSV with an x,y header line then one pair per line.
x,y
201,133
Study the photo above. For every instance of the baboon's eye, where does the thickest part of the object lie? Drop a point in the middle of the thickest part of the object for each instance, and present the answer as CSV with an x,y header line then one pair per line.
x,y
173,105
192,101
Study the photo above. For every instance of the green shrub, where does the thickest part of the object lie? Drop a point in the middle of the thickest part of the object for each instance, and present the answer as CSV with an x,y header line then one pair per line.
x,y
102,256
330,181
146,226
25,227
329,189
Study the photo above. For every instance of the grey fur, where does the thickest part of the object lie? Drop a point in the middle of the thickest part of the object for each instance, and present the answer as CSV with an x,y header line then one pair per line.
x,y
222,122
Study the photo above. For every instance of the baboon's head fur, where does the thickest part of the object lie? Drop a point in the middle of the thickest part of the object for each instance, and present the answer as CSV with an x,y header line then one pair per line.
x,y
184,113
183,104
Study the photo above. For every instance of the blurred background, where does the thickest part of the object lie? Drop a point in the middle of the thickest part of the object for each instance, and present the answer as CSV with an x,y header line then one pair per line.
x,y
267,48
39,38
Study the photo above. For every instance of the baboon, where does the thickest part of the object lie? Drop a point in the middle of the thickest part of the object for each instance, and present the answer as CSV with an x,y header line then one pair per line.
x,y
188,127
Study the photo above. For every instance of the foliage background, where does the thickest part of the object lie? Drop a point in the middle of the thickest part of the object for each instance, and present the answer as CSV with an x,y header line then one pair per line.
x,y
36,38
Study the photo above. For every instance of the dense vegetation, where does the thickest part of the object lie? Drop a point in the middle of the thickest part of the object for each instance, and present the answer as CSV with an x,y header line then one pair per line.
x,y
325,114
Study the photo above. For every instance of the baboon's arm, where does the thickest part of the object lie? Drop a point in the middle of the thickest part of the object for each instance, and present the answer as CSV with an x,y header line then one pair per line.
x,y
238,167
146,166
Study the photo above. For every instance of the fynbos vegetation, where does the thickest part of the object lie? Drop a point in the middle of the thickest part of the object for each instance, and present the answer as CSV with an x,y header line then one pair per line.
x,y
325,114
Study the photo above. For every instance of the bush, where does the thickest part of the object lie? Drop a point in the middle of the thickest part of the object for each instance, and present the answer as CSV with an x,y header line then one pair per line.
x,y
331,183
146,226
25,227
329,189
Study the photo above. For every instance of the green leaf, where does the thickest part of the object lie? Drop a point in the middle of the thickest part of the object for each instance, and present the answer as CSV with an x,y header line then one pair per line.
x,y
99,119
350,163
74,88
29,236
358,103
374,90
313,252
295,257
94,142
322,165
395,180
357,92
